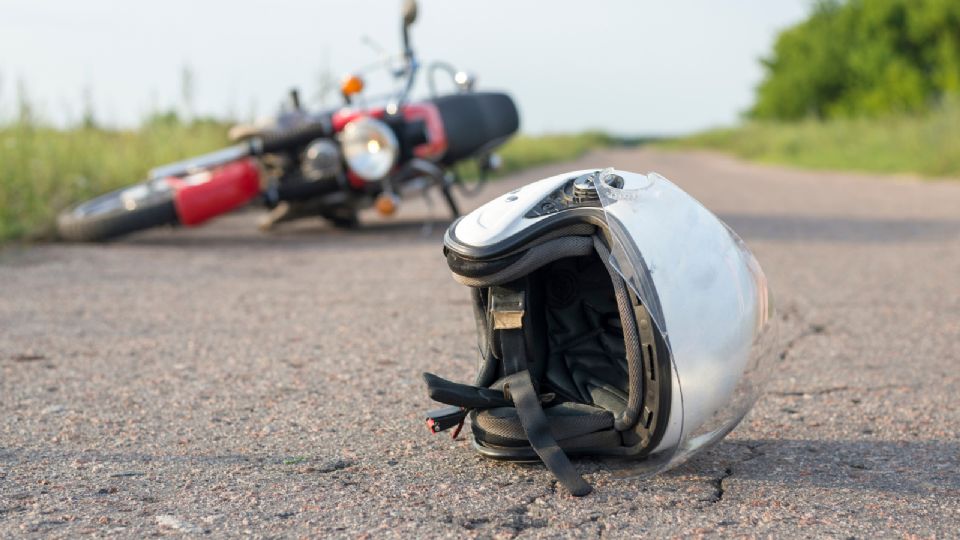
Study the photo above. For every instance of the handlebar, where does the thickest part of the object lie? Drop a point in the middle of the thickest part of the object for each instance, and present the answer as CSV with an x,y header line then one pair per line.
x,y
298,135
263,144
464,84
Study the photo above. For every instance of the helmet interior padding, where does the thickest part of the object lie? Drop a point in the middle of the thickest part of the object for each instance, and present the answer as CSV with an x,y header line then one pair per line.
x,y
575,331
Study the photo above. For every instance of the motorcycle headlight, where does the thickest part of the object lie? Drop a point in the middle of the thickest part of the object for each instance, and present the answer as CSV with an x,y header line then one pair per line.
x,y
369,147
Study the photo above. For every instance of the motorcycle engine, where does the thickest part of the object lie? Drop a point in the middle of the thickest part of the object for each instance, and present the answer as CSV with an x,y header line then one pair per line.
x,y
321,159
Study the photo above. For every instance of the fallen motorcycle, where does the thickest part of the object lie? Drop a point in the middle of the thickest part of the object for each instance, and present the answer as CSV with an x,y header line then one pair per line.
x,y
367,154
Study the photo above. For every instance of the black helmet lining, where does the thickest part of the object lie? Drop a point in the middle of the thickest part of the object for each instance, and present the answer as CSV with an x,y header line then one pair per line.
x,y
593,356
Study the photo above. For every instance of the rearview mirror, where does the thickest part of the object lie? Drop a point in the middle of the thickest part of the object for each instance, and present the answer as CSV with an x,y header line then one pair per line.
x,y
409,12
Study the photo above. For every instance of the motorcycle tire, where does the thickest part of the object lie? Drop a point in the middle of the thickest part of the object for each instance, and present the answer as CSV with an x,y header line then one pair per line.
x,y
346,220
117,213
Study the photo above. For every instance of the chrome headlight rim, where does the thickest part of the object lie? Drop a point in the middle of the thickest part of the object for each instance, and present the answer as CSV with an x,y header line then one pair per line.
x,y
369,147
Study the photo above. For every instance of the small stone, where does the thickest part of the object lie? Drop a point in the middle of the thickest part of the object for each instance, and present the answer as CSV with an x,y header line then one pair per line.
x,y
175,523
335,465
129,474
28,357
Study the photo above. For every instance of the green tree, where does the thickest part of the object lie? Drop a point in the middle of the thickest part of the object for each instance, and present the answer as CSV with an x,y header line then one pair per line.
x,y
863,58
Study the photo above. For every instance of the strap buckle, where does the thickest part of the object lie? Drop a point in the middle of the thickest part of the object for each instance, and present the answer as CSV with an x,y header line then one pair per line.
x,y
507,308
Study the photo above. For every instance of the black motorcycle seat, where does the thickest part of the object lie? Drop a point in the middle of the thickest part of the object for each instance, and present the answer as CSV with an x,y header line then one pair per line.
x,y
476,122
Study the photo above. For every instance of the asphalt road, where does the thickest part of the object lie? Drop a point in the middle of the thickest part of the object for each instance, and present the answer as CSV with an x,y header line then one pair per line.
x,y
226,382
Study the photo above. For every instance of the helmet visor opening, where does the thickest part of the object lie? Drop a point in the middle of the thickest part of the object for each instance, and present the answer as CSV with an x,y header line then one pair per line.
x,y
592,348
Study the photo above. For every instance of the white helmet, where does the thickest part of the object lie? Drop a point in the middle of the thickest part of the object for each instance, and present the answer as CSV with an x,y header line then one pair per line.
x,y
616,316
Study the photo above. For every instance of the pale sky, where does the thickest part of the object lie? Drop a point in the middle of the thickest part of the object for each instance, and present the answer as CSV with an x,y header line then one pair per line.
x,y
630,67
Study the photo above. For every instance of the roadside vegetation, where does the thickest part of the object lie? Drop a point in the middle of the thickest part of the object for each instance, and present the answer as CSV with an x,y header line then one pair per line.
x,y
526,151
523,151
868,85
43,170
927,144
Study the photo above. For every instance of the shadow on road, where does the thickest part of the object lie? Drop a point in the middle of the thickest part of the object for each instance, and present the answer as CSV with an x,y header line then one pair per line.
x,y
782,228
899,467
300,235
841,229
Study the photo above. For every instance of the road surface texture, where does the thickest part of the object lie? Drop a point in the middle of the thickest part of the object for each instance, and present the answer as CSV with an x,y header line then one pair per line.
x,y
226,382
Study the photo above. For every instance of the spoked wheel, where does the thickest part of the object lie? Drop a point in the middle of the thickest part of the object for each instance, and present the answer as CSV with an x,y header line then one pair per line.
x,y
127,210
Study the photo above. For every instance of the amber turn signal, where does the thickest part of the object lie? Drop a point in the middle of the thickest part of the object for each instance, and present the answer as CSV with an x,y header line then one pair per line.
x,y
386,204
351,85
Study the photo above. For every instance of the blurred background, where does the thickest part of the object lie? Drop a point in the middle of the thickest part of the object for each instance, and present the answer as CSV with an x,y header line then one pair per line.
x,y
625,67
93,94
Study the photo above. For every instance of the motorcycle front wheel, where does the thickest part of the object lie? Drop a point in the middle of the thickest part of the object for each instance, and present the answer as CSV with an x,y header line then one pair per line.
x,y
135,208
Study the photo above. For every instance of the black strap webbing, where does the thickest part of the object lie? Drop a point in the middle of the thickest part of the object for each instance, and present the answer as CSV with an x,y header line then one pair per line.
x,y
537,428
463,395
518,386
514,351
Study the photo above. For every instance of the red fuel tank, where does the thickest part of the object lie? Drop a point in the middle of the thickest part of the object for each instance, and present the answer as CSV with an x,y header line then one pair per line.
x,y
208,194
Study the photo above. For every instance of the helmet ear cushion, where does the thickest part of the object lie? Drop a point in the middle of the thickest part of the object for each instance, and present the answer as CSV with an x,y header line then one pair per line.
x,y
561,288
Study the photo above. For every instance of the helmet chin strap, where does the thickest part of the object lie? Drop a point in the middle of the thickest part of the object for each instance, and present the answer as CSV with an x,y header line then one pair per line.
x,y
507,309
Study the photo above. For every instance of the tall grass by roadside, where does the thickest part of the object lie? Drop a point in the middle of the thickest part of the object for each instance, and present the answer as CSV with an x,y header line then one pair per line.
x,y
927,144
43,170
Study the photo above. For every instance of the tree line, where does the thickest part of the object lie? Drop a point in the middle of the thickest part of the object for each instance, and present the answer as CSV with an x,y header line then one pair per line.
x,y
859,58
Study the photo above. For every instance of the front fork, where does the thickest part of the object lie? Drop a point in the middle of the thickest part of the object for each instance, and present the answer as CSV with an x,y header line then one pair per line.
x,y
430,175
416,175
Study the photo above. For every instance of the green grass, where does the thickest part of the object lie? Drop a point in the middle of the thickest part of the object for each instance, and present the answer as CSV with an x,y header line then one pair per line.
x,y
927,144
524,151
43,170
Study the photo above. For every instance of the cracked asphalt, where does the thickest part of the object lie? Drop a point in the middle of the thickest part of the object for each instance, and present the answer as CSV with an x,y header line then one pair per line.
x,y
225,382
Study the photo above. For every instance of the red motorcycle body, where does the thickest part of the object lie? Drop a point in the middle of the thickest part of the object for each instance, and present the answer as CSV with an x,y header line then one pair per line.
x,y
208,194
426,112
